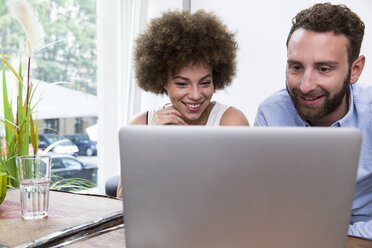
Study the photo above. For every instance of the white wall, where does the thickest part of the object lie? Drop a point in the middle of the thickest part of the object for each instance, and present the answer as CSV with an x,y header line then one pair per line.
x,y
261,29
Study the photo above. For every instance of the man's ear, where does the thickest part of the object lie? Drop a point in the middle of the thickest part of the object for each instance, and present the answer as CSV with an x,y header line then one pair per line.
x,y
357,68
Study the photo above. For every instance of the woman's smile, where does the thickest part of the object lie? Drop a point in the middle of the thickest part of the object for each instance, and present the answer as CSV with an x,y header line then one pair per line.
x,y
193,107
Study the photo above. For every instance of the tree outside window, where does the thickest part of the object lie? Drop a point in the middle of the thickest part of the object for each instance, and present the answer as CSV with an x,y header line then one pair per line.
x,y
71,24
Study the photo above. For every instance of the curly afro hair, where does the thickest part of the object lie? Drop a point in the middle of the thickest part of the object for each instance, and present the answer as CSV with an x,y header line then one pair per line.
x,y
325,17
178,39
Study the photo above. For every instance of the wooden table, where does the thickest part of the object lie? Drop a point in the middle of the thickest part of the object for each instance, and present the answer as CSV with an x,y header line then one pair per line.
x,y
75,221
112,239
89,220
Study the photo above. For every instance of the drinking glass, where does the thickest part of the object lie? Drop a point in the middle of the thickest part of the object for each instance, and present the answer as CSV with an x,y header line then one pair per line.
x,y
34,180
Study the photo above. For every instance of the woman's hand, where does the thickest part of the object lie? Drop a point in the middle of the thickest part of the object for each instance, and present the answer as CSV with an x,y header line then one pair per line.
x,y
168,116
119,190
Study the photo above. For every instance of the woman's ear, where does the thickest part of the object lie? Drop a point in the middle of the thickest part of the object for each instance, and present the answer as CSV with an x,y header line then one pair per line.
x,y
357,68
165,87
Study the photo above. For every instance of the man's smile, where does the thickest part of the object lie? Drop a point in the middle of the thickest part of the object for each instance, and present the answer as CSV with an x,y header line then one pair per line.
x,y
312,100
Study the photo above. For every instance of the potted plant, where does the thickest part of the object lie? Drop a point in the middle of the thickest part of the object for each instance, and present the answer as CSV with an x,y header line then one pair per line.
x,y
19,126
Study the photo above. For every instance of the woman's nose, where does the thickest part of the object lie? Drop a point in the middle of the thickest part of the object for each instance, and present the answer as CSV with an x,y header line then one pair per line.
x,y
194,93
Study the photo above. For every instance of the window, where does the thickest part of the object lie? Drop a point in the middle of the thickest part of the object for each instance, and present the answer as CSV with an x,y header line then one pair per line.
x,y
68,59
78,125
51,125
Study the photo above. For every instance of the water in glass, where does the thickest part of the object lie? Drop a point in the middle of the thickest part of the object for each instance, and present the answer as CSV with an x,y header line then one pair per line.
x,y
34,198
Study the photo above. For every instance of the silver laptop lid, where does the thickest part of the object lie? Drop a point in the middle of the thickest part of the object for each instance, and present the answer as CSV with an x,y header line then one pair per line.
x,y
237,186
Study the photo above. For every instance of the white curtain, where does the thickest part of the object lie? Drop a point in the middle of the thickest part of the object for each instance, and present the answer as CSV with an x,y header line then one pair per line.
x,y
118,23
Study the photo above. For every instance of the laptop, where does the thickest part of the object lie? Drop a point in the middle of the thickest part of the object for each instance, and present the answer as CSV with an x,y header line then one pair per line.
x,y
237,186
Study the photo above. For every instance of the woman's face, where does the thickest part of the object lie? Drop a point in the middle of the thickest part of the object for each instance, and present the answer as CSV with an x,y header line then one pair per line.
x,y
190,91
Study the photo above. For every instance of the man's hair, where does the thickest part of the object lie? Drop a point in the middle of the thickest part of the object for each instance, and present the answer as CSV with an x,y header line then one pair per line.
x,y
178,39
325,17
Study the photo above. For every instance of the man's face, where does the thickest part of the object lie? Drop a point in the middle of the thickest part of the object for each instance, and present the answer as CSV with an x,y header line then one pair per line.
x,y
318,76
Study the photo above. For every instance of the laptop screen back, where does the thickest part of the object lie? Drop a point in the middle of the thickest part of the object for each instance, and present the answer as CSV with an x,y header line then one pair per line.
x,y
237,186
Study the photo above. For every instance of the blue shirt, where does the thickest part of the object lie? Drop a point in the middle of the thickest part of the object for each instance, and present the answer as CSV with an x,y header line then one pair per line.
x,y
278,110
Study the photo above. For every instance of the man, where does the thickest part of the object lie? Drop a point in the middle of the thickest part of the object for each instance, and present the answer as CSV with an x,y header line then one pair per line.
x,y
323,65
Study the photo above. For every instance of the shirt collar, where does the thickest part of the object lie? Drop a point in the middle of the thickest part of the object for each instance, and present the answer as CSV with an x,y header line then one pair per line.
x,y
347,119
302,122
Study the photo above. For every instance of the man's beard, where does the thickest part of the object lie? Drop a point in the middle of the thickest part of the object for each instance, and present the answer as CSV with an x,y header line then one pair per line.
x,y
330,104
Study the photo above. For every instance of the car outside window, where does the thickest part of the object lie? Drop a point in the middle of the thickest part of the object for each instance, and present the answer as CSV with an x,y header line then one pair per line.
x,y
70,163
57,164
53,138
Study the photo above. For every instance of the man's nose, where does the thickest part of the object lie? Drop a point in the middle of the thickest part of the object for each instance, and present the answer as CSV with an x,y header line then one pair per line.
x,y
308,82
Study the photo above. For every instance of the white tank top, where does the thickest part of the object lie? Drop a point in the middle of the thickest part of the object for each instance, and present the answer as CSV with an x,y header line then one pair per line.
x,y
214,116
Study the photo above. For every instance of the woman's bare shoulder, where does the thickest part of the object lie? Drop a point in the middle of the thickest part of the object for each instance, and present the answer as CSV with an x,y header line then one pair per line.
x,y
233,117
139,119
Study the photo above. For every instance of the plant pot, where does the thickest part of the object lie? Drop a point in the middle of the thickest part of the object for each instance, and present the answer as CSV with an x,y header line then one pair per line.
x,y
3,177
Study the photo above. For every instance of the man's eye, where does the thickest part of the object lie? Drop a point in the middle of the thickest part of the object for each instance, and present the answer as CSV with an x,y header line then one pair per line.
x,y
295,67
206,83
324,69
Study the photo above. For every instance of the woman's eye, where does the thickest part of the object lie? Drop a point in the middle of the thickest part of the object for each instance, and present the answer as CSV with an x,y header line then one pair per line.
x,y
181,84
206,83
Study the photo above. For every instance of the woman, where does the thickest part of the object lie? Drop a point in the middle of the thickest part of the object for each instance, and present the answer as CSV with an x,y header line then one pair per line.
x,y
187,57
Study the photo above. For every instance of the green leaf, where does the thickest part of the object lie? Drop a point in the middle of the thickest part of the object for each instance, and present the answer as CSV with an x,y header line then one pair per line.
x,y
11,68
33,135
70,84
46,150
8,112
20,114
10,126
